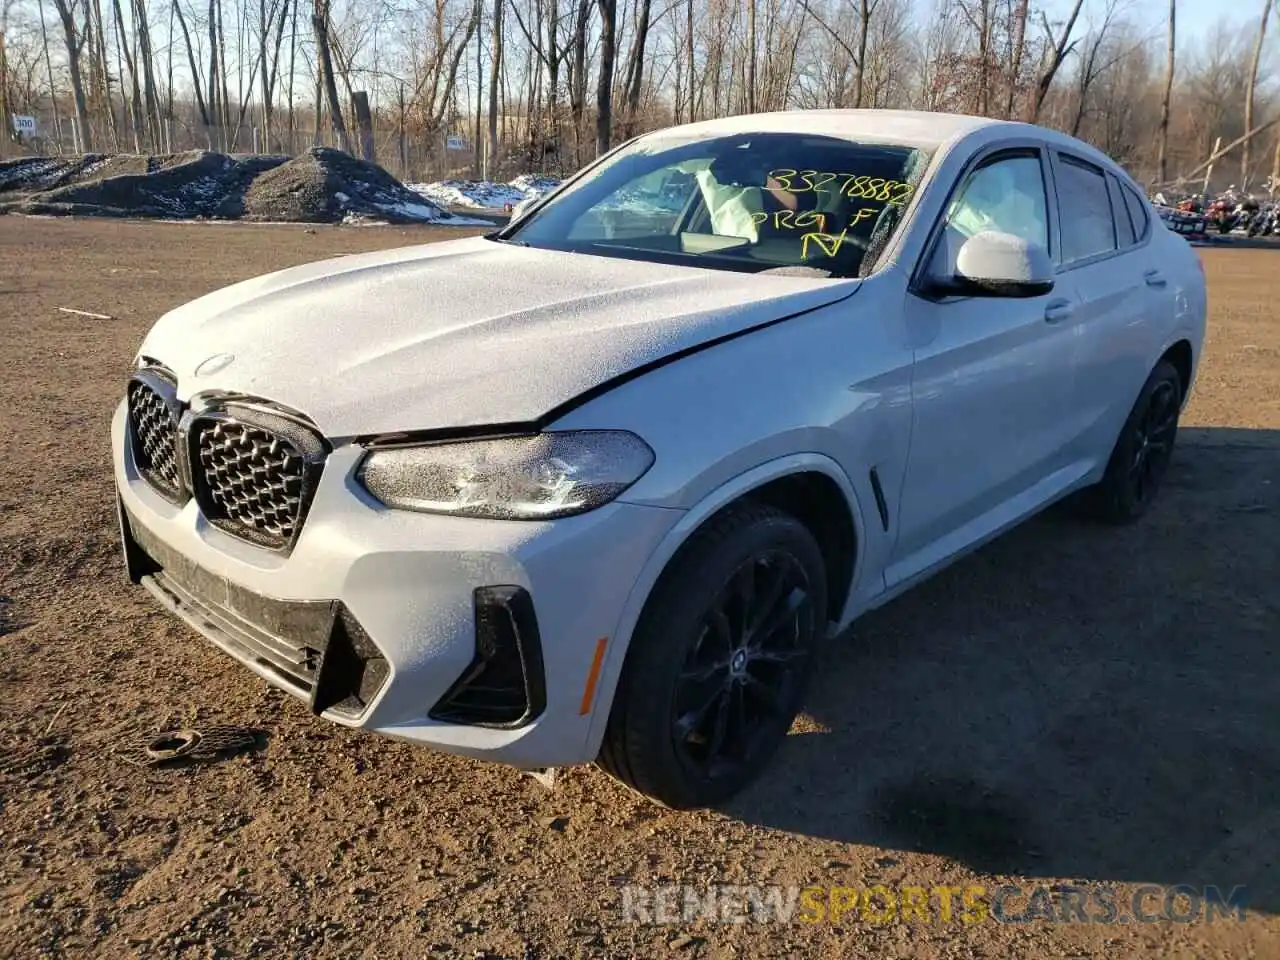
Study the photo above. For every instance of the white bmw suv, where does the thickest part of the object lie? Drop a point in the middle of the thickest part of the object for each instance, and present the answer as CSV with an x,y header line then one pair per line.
x,y
595,487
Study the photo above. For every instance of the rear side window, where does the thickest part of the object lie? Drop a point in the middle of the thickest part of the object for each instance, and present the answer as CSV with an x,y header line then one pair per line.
x,y
1124,225
1139,210
1088,227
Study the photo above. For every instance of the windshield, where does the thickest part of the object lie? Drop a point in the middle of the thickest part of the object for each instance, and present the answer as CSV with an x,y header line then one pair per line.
x,y
750,202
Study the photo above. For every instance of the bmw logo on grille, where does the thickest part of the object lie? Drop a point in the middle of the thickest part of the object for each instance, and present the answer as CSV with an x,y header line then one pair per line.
x,y
218,361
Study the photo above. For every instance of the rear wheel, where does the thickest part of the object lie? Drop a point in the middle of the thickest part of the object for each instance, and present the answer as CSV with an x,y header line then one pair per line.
x,y
1142,452
720,660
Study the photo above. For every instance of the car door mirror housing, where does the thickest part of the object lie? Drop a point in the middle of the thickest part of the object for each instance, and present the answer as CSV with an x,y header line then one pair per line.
x,y
995,264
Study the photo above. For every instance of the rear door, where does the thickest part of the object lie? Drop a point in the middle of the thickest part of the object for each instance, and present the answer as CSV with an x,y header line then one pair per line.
x,y
1109,263
991,379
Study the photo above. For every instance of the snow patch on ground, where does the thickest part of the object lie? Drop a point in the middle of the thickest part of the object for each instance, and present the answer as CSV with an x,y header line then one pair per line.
x,y
485,194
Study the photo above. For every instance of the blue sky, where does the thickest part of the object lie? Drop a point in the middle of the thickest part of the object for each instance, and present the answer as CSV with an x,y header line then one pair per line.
x,y
1194,16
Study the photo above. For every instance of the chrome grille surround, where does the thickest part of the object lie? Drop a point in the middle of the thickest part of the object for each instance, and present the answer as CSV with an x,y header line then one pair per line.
x,y
253,470
154,416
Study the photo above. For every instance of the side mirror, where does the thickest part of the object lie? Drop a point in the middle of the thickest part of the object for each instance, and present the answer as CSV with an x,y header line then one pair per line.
x,y
994,264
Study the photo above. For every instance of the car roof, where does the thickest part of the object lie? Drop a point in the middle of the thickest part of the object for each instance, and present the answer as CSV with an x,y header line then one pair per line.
x,y
920,128
917,127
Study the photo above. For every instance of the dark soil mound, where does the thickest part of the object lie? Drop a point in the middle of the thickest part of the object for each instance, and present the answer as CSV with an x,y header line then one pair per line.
x,y
324,185
320,186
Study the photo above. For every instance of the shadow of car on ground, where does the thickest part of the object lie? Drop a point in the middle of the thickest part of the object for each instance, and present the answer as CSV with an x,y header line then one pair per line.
x,y
1071,701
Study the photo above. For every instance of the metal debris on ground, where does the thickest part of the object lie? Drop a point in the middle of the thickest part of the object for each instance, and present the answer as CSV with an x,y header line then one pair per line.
x,y
187,744
86,313
543,775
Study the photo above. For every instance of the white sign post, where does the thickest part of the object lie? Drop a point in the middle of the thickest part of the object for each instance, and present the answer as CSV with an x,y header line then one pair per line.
x,y
24,126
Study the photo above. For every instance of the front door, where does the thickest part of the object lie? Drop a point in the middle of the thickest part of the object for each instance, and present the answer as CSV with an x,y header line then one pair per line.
x,y
991,380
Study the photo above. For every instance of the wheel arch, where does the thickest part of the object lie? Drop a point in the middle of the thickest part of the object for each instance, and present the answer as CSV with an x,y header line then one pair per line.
x,y
805,485
1181,355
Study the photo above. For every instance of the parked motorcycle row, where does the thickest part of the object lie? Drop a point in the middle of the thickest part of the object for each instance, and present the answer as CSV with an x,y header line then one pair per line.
x,y
1228,212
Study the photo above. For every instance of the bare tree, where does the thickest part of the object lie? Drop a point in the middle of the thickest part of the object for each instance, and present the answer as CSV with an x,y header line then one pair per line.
x,y
495,75
6,6
578,74
1061,46
857,51
272,15
1094,62
1018,36
1168,93
1251,89
634,82
324,58
73,37
604,85
135,113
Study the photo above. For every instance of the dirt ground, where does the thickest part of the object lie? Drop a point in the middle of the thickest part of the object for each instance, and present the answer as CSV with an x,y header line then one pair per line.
x,y
1072,705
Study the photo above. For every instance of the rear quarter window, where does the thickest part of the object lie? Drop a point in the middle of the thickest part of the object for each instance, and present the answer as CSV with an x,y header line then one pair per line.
x,y
1139,210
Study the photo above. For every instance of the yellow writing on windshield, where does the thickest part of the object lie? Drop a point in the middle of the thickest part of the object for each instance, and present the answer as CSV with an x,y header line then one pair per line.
x,y
828,243
790,220
894,192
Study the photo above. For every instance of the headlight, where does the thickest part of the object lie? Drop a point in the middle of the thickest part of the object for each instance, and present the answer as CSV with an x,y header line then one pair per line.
x,y
513,478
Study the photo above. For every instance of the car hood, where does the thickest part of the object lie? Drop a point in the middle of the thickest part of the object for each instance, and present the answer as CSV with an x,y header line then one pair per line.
x,y
458,334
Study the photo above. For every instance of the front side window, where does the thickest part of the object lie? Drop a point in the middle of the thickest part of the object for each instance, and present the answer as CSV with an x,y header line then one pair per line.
x,y
1005,195
1088,228
751,202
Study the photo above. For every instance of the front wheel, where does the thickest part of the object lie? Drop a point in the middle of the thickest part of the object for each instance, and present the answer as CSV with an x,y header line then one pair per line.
x,y
720,661
1142,451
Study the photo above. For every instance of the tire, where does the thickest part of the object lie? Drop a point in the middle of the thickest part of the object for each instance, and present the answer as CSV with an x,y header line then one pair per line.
x,y
1142,451
693,673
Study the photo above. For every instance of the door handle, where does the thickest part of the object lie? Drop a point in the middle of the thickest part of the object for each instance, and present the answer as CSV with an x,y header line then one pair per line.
x,y
1058,311
1154,278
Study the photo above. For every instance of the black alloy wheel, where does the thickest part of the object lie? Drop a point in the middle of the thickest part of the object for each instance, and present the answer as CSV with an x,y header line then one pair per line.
x,y
742,669
1142,452
717,667
1153,442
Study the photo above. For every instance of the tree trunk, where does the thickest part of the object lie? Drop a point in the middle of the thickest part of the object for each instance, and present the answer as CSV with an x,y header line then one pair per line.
x,y
135,114
1015,62
688,56
864,28
53,92
751,56
495,77
604,86
578,76
195,76
225,99
324,66
75,43
215,114
1168,92
145,53
293,61
100,74
168,90
635,69
4,89
1250,90
477,144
